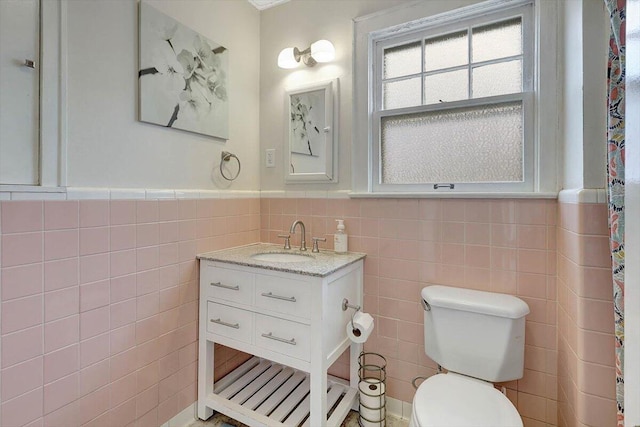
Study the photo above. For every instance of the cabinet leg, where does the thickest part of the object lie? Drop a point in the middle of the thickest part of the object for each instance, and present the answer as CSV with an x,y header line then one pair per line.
x,y
318,401
205,377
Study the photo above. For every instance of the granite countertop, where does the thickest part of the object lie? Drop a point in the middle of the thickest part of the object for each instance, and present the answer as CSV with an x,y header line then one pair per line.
x,y
320,264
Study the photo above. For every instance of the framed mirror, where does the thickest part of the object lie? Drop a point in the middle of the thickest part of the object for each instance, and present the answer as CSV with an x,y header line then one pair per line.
x,y
311,123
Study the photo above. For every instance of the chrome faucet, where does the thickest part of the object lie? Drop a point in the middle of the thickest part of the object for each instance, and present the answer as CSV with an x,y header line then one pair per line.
x,y
303,242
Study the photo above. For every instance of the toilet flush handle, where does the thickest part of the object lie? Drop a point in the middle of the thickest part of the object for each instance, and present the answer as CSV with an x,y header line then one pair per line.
x,y
425,305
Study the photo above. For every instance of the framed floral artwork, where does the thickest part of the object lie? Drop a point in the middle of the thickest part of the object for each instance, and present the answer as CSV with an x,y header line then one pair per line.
x,y
182,76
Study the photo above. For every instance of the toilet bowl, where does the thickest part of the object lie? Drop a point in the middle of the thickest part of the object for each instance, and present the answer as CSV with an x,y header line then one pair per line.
x,y
478,337
453,400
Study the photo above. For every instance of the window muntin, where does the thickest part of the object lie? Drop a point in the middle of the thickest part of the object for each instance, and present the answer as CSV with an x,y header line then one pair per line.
x,y
461,74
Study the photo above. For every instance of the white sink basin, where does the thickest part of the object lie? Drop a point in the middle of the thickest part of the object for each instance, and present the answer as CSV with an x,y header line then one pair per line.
x,y
281,257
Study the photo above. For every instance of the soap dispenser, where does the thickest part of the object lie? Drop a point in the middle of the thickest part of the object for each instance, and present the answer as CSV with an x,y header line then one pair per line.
x,y
340,238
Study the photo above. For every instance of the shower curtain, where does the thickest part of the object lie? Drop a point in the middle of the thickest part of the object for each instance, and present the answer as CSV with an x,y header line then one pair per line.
x,y
615,181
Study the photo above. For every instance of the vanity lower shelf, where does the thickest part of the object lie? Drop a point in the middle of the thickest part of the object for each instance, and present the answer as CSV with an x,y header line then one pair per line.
x,y
262,392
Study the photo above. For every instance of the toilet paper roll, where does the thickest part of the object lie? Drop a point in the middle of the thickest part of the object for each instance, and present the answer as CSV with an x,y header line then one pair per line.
x,y
372,402
361,328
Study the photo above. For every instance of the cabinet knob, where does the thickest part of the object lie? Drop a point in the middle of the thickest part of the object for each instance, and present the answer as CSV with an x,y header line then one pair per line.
x,y
29,63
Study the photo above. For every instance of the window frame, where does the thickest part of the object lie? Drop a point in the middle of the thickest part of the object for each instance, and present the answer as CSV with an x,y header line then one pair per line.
x,y
374,33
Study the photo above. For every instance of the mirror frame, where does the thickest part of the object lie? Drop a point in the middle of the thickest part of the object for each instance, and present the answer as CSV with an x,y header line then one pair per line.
x,y
330,127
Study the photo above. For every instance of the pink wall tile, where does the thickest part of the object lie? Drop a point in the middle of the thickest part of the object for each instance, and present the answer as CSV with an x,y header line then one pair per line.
x,y
124,414
123,338
94,268
122,288
94,350
60,244
61,363
93,405
94,295
94,322
123,313
167,210
123,389
122,212
60,393
63,303
21,378
21,313
61,274
94,213
20,217
94,240
122,237
61,214
22,410
94,377
21,346
147,234
123,364
146,211
21,281
22,248
61,333
122,263
147,258
67,416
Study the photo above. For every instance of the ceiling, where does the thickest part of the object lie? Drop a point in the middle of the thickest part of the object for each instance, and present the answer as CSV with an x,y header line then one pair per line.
x,y
266,4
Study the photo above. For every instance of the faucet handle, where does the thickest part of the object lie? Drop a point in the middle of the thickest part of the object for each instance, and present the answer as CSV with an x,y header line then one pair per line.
x,y
287,240
315,243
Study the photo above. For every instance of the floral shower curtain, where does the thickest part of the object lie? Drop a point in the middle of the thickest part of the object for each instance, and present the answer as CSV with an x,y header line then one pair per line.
x,y
615,178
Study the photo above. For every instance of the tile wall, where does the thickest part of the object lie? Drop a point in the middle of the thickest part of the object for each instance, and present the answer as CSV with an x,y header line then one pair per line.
x,y
494,245
99,307
585,317
99,298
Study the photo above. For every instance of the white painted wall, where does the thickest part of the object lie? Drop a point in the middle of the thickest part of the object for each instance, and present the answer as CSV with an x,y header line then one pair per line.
x,y
583,62
107,146
300,23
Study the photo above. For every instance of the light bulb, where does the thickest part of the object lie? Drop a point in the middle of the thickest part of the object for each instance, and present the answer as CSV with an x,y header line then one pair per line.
x,y
286,59
323,51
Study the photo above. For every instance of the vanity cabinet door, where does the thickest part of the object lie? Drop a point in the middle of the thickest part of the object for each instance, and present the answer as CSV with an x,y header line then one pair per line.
x,y
283,336
226,284
288,296
229,322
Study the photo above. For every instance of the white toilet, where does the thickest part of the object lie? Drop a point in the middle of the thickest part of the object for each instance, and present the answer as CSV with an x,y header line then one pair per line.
x,y
478,337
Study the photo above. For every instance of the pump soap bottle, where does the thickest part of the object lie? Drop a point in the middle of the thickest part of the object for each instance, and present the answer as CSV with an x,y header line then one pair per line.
x,y
340,238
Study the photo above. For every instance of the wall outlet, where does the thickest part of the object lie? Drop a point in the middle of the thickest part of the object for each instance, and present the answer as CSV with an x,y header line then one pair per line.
x,y
270,158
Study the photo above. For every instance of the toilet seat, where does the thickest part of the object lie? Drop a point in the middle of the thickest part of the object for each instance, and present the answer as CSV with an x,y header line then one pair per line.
x,y
454,400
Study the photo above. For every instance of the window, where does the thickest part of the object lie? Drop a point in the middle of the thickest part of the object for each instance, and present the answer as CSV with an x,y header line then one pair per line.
x,y
452,102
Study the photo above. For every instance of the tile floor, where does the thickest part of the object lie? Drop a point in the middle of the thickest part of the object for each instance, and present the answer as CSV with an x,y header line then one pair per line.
x,y
351,421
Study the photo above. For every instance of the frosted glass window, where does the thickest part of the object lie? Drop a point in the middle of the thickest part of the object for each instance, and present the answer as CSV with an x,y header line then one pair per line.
x,y
496,41
447,51
446,87
497,79
402,60
402,93
470,145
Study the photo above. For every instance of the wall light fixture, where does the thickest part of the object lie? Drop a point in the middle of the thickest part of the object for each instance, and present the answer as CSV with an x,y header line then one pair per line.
x,y
320,51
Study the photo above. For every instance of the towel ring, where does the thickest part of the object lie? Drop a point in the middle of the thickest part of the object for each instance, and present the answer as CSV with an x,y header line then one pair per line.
x,y
225,157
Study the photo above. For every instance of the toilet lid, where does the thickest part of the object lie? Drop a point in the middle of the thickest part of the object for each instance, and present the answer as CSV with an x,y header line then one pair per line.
x,y
452,400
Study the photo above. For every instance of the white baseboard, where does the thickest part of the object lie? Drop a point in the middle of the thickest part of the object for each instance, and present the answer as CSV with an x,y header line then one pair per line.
x,y
399,408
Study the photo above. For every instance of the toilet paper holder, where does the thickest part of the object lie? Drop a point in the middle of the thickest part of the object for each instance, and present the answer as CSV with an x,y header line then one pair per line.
x,y
356,308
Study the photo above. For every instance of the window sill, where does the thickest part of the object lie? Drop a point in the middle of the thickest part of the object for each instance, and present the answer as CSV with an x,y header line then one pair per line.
x,y
453,195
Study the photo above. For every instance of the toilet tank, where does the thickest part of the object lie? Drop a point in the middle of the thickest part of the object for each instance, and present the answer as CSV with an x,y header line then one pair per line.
x,y
475,333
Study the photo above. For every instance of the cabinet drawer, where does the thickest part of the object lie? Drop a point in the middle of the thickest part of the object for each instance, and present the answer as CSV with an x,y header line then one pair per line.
x,y
283,295
230,322
283,336
230,285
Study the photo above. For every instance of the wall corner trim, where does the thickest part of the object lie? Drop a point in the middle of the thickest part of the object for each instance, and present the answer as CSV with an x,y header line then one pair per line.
x,y
583,195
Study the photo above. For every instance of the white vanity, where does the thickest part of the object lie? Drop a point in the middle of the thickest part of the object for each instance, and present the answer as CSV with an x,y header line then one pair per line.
x,y
287,311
